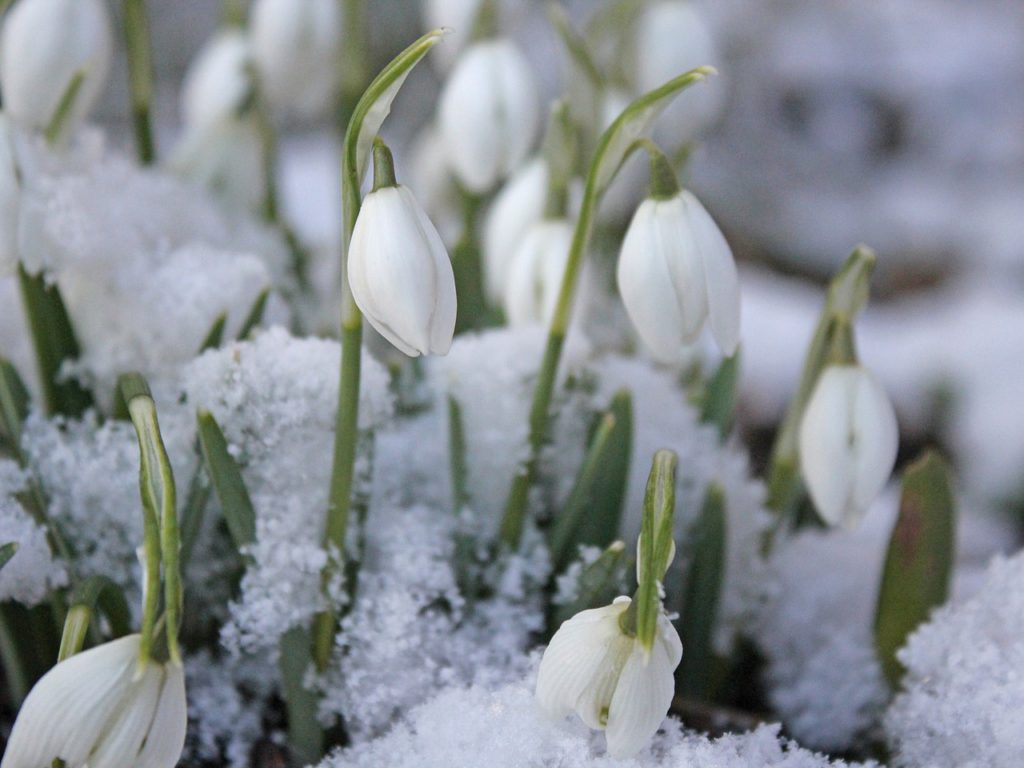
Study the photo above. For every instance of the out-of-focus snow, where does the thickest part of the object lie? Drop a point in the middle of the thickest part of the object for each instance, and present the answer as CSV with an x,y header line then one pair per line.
x,y
814,627
962,703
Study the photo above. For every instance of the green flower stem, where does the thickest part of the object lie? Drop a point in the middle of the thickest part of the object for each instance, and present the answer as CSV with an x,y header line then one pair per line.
x,y
367,118
614,146
140,76
162,543
233,12
847,295
354,64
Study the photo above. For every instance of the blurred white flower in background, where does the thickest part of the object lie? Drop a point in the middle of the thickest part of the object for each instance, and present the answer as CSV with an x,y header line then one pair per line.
x,y
296,47
534,276
489,113
44,46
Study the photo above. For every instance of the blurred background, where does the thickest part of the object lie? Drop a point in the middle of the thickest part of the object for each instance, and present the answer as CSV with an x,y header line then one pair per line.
x,y
899,124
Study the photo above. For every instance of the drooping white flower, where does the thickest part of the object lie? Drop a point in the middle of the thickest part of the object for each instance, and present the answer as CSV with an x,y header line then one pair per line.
x,y
675,271
45,44
674,38
488,113
848,442
516,208
594,668
296,46
534,276
99,708
400,273
218,82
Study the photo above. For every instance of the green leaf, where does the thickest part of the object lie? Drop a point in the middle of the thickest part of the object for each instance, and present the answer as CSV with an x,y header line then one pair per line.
x,y
92,592
457,454
375,104
54,341
703,589
14,402
656,545
719,403
215,335
635,123
599,583
919,562
7,551
305,738
255,316
593,511
471,312
227,481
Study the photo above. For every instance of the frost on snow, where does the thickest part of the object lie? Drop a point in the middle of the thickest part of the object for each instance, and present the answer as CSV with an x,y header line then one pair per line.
x,y
504,728
815,626
32,572
962,703
275,398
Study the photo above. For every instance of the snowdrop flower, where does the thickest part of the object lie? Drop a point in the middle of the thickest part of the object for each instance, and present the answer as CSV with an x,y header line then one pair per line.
x,y
594,668
516,208
675,271
47,43
398,268
535,274
488,113
100,708
218,84
848,441
296,47
675,38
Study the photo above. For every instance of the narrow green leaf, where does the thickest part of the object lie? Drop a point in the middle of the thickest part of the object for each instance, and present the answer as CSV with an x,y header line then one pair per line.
x,y
471,312
215,335
93,592
919,562
656,545
192,513
54,341
457,454
55,130
255,316
719,403
703,588
227,481
599,583
14,402
305,739
593,511
7,551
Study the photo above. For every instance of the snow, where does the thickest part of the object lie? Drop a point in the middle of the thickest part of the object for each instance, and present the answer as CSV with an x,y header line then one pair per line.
x,y
814,627
962,699
33,571
505,728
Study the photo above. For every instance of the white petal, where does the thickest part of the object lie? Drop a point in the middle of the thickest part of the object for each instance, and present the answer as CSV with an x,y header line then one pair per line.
x,y
594,702
517,207
535,275
167,735
442,320
643,695
575,655
217,82
126,732
721,278
64,714
876,442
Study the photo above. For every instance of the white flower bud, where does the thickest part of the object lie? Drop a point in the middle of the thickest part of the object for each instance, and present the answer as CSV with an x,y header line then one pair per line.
x,y
99,708
848,442
675,271
518,206
44,46
536,272
296,46
608,678
218,82
488,113
674,38
400,273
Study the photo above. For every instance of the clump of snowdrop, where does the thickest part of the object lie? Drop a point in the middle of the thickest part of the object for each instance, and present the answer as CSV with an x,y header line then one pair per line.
x,y
54,51
296,49
488,113
398,267
676,271
105,706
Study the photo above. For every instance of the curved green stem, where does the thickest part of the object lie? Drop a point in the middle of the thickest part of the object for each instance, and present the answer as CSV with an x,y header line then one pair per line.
x,y
140,76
